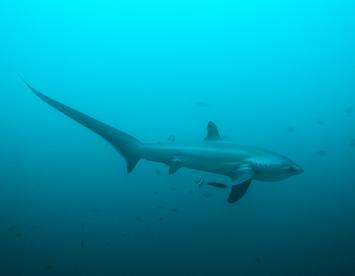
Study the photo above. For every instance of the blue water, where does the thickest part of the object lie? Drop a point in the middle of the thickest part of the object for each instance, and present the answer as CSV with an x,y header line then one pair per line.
x,y
273,74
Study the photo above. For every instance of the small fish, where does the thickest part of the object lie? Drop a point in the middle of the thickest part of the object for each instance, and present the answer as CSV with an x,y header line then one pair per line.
x,y
138,218
217,185
319,122
19,235
202,104
172,138
349,110
108,244
291,129
49,267
11,228
161,219
352,143
95,210
160,207
83,224
33,228
124,235
322,152
173,189
174,210
258,260
155,193
82,244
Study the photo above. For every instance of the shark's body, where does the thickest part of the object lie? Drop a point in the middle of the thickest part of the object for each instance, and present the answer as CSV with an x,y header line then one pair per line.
x,y
215,155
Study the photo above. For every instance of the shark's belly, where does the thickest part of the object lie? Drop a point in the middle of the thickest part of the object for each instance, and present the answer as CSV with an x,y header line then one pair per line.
x,y
222,167
214,162
197,164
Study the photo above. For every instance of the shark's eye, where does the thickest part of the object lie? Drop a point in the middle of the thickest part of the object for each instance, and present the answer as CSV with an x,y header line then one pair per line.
x,y
292,169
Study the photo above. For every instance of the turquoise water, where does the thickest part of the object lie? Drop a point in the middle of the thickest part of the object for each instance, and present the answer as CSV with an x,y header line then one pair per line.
x,y
273,74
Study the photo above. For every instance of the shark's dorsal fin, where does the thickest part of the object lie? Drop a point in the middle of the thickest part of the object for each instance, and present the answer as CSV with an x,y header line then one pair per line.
x,y
212,132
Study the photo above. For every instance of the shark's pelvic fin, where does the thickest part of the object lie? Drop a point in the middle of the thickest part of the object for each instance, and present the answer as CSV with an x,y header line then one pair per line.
x,y
174,165
212,132
127,145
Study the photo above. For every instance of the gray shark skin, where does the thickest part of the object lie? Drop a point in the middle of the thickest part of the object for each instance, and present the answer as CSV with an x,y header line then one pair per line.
x,y
240,163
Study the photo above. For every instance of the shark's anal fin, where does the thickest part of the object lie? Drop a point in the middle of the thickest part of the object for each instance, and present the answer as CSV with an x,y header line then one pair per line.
x,y
212,132
242,177
174,165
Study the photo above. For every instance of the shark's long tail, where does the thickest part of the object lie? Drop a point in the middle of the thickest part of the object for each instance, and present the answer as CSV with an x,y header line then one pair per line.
x,y
127,145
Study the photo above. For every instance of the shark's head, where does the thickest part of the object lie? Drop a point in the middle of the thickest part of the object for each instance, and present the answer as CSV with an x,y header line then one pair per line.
x,y
274,167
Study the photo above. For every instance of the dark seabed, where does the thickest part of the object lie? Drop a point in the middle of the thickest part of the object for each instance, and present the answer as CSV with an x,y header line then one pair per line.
x,y
273,74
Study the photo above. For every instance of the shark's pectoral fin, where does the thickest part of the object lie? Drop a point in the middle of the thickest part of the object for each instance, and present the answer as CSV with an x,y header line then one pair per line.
x,y
238,191
174,165
243,177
